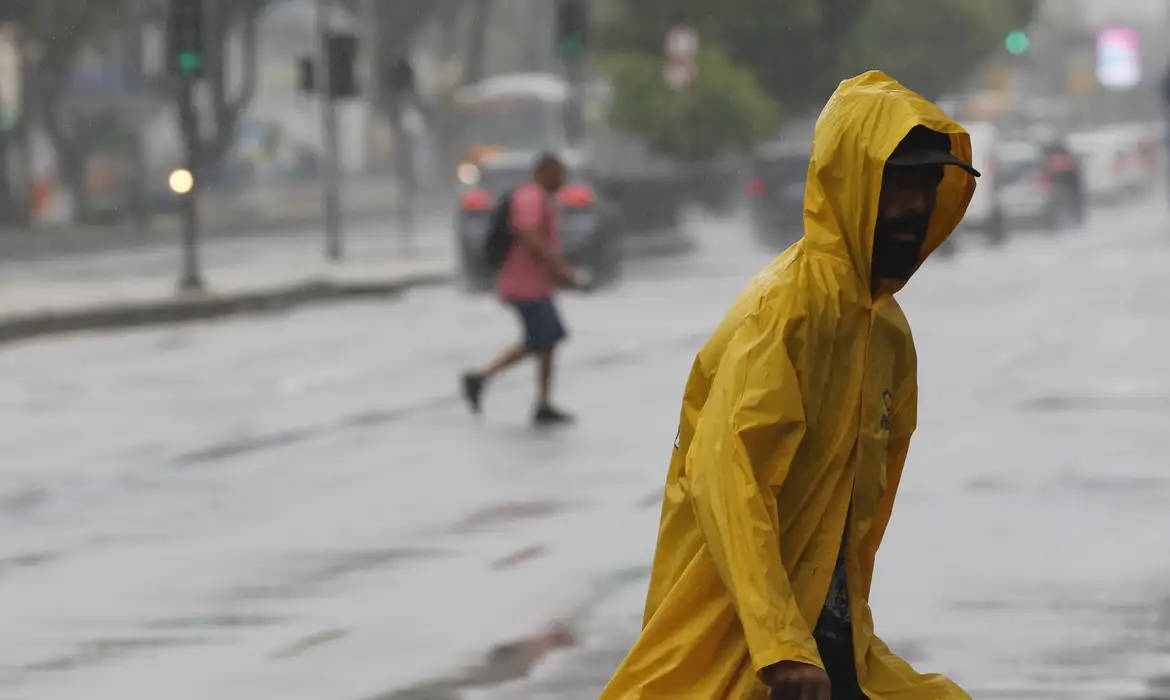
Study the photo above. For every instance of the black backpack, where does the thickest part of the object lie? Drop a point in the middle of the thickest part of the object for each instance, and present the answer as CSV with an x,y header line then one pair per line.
x,y
498,241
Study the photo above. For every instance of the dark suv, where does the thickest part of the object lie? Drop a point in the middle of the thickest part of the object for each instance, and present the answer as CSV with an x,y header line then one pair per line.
x,y
776,192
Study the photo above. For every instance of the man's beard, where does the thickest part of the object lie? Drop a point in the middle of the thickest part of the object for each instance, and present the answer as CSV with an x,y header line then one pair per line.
x,y
895,257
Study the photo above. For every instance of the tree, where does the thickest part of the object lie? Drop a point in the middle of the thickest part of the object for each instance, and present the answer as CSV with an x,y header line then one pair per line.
x,y
931,46
49,35
791,46
224,19
725,110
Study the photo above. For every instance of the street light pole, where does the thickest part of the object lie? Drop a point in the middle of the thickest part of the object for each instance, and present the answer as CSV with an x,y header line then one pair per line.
x,y
185,183
334,250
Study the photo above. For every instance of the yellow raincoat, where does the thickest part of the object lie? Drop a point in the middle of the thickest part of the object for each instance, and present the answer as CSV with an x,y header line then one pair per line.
x,y
805,396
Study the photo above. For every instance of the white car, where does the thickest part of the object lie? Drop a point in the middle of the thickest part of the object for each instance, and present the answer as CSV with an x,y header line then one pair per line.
x,y
985,213
1027,193
1114,166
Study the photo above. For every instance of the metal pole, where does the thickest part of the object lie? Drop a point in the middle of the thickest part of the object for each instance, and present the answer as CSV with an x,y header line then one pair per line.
x,y
574,71
574,107
331,176
191,277
375,99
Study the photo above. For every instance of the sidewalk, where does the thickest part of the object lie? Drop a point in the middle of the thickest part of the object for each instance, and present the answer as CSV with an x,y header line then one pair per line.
x,y
138,288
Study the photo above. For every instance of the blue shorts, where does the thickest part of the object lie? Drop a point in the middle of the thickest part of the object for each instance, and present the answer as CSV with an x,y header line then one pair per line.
x,y
543,328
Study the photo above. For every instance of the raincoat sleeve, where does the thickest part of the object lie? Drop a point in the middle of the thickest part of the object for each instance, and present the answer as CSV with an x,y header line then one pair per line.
x,y
744,444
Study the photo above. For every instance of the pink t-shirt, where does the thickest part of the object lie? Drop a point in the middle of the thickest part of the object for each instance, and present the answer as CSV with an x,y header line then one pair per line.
x,y
524,275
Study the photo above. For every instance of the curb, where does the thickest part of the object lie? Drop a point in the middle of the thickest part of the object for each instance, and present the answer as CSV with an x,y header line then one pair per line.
x,y
185,310
178,310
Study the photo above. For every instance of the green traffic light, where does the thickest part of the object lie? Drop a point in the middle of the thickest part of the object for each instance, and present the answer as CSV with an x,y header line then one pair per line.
x,y
571,46
189,62
1017,43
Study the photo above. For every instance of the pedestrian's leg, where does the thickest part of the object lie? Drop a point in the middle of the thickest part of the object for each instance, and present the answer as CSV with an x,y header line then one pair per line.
x,y
544,379
549,332
507,359
473,382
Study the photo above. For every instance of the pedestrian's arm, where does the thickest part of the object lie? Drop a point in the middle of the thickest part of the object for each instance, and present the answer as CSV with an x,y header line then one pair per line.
x,y
744,445
532,239
530,209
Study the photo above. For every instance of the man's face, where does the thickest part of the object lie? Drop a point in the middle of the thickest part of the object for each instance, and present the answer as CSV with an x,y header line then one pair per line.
x,y
904,210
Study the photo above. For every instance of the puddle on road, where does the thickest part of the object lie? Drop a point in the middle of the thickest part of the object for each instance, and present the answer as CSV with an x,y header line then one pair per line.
x,y
238,448
217,622
520,556
1078,404
507,513
101,651
309,643
651,500
505,663
29,560
22,501
330,568
1142,632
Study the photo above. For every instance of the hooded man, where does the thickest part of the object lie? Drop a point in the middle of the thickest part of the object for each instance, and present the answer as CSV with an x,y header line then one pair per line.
x,y
795,425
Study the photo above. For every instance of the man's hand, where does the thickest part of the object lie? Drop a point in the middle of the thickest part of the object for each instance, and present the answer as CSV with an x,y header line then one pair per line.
x,y
571,277
792,680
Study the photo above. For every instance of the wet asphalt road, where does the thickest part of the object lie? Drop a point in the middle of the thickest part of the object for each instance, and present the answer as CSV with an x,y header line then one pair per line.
x,y
300,507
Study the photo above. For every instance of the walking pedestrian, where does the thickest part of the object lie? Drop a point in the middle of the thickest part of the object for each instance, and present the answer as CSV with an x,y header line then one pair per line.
x,y
532,272
794,430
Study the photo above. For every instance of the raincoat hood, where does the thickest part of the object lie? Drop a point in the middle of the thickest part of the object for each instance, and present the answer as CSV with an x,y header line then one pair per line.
x,y
861,125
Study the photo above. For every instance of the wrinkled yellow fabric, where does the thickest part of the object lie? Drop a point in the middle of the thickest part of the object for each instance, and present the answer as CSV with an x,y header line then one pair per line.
x,y
803,401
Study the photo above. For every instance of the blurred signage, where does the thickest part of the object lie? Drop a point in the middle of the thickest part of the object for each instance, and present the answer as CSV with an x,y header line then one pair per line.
x,y
682,49
682,43
1119,64
679,75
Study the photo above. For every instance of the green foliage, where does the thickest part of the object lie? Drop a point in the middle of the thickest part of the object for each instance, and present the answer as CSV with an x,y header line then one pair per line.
x,y
931,46
790,45
725,110
800,49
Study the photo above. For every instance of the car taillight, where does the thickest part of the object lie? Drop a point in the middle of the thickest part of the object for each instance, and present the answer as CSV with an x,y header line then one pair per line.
x,y
578,196
755,187
476,200
1061,163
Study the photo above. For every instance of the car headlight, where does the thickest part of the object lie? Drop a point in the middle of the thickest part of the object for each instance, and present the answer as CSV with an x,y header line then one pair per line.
x,y
468,173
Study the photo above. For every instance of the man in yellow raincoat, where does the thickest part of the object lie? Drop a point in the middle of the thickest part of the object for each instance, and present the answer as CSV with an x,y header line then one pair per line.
x,y
795,426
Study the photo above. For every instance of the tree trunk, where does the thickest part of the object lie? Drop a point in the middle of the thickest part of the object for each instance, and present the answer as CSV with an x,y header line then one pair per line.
x,y
476,59
14,206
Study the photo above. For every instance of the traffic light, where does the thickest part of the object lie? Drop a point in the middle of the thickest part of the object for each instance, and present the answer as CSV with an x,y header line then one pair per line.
x,y
342,51
1017,42
185,38
572,27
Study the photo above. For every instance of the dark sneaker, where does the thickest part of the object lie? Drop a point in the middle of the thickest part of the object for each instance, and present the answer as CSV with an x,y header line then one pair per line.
x,y
473,392
548,416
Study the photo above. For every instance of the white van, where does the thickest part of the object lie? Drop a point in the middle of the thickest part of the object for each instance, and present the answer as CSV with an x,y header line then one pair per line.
x,y
985,213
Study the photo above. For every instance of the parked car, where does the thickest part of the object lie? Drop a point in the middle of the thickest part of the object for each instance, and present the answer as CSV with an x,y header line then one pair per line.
x,y
1030,194
1067,172
985,213
776,192
1114,167
589,228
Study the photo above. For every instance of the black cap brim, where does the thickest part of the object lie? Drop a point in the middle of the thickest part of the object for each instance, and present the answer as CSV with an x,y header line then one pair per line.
x,y
919,158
